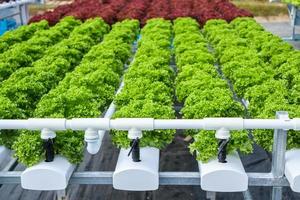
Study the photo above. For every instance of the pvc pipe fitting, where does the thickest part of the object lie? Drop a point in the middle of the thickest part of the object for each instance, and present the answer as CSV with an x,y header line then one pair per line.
x,y
40,124
81,124
222,134
228,123
126,124
92,139
134,133
47,134
296,124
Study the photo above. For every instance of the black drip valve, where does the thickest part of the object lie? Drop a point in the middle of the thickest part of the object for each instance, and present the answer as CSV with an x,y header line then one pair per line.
x,y
135,150
49,149
222,150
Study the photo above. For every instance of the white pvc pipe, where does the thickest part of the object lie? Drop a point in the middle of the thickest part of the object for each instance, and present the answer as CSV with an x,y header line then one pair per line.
x,y
178,124
150,123
271,124
132,123
13,124
51,124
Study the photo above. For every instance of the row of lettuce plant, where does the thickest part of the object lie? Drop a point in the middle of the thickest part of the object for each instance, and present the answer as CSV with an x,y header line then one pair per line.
x,y
148,89
25,53
284,90
203,91
85,92
21,34
20,93
253,60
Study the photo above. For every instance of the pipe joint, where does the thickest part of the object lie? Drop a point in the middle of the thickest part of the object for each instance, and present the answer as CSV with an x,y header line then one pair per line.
x,y
91,134
47,134
222,134
296,124
134,134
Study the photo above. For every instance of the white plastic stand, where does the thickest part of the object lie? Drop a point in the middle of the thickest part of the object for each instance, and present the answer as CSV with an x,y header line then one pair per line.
x,y
48,175
224,177
137,176
292,168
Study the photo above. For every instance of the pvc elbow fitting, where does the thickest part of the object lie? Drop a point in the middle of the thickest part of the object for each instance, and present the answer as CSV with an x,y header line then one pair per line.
x,y
93,141
93,147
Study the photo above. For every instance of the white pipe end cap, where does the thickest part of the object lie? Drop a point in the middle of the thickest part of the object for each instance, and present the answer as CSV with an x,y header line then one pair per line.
x,y
292,169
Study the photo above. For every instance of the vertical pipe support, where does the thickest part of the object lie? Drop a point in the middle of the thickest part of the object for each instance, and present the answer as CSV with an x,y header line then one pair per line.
x,y
278,154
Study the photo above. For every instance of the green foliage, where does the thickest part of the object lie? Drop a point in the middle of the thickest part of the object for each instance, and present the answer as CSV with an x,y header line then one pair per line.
x,y
265,137
70,144
8,110
148,90
262,68
156,91
21,34
145,109
185,88
213,102
258,94
87,90
203,91
206,145
25,53
29,148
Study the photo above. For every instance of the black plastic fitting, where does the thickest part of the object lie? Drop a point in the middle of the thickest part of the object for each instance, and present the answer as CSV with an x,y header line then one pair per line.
x,y
49,149
135,150
222,150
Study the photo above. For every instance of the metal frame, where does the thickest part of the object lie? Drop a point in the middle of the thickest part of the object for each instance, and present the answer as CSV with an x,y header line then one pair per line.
x,y
294,20
17,8
165,178
294,14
